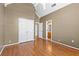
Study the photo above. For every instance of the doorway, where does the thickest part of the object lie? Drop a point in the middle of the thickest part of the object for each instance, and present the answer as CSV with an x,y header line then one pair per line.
x,y
40,30
26,29
36,30
49,30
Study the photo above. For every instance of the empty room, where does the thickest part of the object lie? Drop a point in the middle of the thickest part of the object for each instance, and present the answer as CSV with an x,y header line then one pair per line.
x,y
39,29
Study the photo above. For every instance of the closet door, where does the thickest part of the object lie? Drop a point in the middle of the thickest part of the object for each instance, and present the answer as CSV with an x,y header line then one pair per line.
x,y
26,30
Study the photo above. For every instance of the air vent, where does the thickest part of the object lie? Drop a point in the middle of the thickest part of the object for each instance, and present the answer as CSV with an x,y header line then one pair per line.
x,y
53,5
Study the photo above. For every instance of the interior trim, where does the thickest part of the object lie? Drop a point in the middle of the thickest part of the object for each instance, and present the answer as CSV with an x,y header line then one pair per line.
x,y
17,43
66,45
12,44
33,40
2,50
63,44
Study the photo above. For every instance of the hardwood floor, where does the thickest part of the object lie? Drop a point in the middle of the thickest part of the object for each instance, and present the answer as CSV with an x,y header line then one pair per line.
x,y
39,47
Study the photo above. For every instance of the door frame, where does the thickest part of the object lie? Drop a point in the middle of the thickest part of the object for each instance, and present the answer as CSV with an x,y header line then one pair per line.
x,y
36,25
51,29
42,29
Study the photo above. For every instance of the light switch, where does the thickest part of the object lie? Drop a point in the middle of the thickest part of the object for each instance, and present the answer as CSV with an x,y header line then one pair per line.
x,y
72,41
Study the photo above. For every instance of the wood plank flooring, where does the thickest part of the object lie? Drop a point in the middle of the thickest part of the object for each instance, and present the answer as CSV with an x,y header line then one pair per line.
x,y
39,47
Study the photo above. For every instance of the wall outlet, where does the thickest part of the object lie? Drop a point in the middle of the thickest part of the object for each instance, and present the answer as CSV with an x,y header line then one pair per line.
x,y
59,40
9,41
72,41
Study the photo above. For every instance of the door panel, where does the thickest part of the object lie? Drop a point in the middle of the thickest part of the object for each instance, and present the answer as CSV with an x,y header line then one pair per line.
x,y
26,30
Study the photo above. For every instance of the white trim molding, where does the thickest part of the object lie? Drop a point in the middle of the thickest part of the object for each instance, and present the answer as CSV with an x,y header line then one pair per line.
x,y
62,44
66,45
11,45
33,40
2,50
17,43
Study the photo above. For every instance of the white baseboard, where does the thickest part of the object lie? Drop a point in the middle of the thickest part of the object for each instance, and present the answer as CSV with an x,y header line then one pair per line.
x,y
66,45
2,49
16,43
6,46
11,44
32,40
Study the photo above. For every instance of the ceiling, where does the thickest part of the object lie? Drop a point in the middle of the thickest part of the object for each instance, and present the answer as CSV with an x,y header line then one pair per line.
x,y
42,9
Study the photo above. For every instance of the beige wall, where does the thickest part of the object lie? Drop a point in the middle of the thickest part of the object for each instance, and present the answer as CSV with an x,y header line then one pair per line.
x,y
65,25
12,13
1,25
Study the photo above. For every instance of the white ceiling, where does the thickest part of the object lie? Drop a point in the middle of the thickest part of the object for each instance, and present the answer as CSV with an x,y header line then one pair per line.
x,y
44,9
7,4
